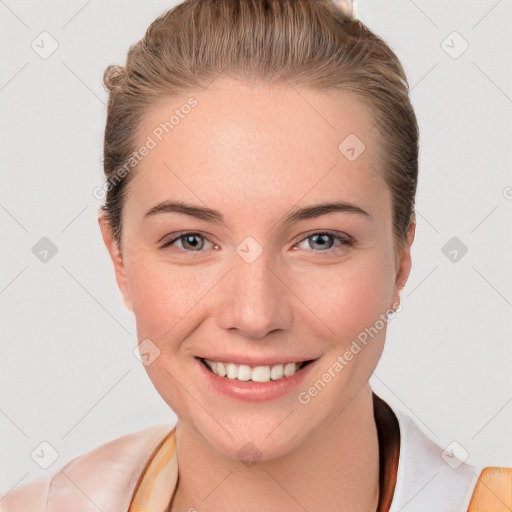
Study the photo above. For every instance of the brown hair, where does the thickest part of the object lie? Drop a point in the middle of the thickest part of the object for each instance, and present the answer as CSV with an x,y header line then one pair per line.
x,y
300,42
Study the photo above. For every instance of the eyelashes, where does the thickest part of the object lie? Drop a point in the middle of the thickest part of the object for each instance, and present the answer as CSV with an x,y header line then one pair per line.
x,y
342,239
183,236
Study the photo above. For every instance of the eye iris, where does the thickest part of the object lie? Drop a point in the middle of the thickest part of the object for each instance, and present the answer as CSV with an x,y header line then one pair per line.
x,y
187,239
322,246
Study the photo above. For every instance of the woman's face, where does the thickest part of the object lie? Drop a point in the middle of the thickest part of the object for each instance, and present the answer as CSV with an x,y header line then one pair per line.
x,y
254,283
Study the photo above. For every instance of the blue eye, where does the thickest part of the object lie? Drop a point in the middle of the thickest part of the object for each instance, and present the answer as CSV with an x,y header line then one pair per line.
x,y
323,245
191,241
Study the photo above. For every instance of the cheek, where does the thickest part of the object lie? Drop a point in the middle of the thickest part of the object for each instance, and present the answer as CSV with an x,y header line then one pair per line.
x,y
165,300
164,296
345,300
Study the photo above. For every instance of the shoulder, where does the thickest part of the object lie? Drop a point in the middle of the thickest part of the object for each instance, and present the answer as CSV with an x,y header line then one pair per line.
x,y
106,477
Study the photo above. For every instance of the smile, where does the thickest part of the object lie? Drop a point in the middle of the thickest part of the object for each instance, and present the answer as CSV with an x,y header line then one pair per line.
x,y
244,373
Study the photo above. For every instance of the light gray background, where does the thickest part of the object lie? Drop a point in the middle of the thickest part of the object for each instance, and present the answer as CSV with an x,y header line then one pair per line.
x,y
67,369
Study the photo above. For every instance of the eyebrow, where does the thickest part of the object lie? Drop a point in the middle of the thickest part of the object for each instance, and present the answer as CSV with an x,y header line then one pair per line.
x,y
214,216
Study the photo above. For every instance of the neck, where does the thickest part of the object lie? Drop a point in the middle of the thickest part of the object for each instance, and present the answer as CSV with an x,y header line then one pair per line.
x,y
337,468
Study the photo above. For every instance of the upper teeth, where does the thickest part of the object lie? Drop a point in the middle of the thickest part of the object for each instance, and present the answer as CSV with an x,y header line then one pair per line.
x,y
256,374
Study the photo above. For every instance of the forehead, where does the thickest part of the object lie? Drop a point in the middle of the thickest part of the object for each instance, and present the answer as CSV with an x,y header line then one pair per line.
x,y
269,144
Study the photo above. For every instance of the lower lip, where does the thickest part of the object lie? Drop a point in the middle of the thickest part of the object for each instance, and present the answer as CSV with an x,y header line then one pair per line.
x,y
250,391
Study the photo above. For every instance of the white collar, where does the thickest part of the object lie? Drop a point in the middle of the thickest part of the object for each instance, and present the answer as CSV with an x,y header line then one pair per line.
x,y
425,482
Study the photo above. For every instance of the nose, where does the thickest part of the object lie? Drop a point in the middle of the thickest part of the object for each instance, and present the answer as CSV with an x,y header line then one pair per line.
x,y
255,299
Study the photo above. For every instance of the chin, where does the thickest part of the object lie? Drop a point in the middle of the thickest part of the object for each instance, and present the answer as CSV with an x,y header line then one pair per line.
x,y
252,443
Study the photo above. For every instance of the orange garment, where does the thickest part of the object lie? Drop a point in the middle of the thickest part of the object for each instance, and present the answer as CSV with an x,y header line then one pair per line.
x,y
493,491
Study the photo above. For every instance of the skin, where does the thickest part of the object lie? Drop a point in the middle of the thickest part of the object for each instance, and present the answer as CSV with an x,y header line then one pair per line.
x,y
254,152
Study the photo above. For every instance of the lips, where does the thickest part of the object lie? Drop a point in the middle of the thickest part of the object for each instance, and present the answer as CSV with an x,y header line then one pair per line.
x,y
252,383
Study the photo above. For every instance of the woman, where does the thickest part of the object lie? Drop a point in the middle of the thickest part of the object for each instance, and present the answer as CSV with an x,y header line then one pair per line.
x,y
261,161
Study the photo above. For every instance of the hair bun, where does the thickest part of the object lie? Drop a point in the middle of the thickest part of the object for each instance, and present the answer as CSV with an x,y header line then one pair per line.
x,y
112,76
344,8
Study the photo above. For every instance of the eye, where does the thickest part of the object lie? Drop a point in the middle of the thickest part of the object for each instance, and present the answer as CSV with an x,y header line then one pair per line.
x,y
195,242
319,240
190,242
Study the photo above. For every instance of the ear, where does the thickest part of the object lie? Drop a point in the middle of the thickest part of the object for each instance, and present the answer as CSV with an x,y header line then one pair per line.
x,y
403,264
116,257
